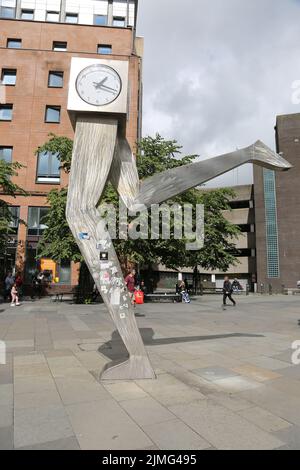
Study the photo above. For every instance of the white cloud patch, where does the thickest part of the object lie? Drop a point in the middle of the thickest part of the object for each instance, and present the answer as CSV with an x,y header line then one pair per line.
x,y
216,73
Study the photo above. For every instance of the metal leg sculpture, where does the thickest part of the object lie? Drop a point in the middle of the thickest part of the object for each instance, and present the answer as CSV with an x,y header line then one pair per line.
x,y
100,155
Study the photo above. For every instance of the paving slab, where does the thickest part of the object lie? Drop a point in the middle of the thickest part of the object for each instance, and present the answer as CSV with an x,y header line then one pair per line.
x,y
264,419
105,425
39,425
257,373
236,384
6,438
291,436
36,399
69,443
80,389
126,391
34,384
224,429
268,363
6,394
214,373
175,435
146,411
6,416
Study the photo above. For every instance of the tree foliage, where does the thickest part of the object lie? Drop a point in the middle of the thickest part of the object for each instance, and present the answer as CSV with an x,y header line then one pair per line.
x,y
155,154
7,188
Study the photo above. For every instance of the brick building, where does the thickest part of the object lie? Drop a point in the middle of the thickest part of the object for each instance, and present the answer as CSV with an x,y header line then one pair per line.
x,y
37,42
277,199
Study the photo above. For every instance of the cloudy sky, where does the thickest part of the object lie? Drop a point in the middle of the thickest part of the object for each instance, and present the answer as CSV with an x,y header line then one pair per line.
x,y
217,72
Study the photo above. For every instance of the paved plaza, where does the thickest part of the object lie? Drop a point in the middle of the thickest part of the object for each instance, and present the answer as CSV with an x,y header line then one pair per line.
x,y
225,379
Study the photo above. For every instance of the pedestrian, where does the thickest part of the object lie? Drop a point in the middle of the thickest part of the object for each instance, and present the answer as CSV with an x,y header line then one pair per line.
x,y
236,286
227,291
14,296
184,293
8,283
36,285
130,283
19,283
143,288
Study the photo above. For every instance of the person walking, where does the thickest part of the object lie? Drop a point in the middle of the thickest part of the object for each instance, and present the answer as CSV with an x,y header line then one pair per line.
x,y
227,292
14,296
130,283
19,283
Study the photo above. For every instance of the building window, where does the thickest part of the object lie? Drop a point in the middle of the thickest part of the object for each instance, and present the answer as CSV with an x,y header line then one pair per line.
x,y
9,77
48,168
100,20
72,18
119,21
52,16
6,112
27,14
52,114
104,49
56,79
36,220
7,12
60,46
6,154
273,270
15,219
14,43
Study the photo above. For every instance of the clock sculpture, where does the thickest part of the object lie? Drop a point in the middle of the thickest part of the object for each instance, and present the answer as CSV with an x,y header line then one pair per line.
x,y
98,106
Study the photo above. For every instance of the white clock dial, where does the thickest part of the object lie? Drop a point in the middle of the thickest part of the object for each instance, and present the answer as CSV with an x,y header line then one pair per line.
x,y
98,85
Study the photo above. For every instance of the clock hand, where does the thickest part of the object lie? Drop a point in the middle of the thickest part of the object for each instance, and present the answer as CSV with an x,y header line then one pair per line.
x,y
99,84
108,88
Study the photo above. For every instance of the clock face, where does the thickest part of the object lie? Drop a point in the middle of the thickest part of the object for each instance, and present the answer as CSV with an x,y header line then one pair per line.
x,y
98,85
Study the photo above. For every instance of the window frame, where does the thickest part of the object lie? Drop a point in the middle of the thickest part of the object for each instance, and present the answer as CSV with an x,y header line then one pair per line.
x,y
55,46
119,18
7,70
46,179
100,16
55,72
108,46
52,12
16,40
49,106
7,147
71,15
13,9
38,230
7,106
27,11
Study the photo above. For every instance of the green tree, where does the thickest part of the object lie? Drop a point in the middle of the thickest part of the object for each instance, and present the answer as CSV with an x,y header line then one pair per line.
x,y
155,154
7,188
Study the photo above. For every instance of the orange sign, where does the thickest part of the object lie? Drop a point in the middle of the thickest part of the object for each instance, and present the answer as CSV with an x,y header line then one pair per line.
x,y
48,265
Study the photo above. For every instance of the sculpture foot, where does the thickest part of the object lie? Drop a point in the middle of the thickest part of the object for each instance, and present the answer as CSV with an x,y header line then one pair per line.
x,y
264,156
135,368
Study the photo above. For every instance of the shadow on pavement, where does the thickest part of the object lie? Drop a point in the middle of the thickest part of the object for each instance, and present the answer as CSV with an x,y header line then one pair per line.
x,y
115,348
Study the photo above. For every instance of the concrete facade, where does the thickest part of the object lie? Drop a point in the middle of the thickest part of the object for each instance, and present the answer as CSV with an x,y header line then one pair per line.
x,y
99,12
31,95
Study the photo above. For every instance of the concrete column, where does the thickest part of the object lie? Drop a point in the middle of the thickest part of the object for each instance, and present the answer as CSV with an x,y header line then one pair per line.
x,y
62,11
18,9
110,13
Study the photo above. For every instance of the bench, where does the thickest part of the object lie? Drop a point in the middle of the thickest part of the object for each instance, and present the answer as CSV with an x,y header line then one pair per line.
x,y
59,296
163,296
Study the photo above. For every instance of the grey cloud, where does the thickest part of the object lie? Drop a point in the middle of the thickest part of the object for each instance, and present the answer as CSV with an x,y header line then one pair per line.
x,y
216,73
